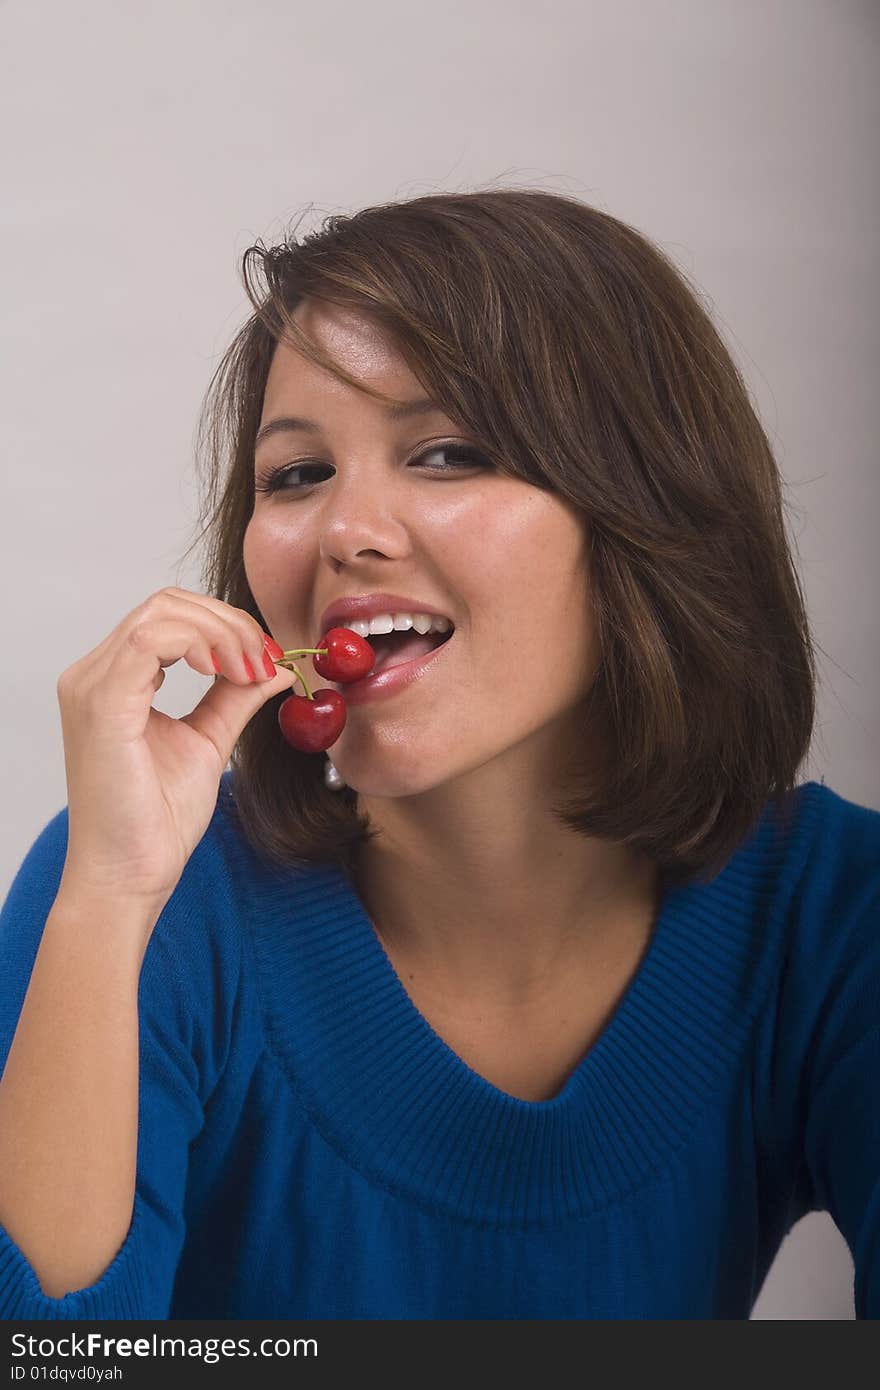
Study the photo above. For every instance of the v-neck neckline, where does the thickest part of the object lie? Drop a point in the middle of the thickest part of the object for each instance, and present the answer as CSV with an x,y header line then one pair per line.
x,y
644,949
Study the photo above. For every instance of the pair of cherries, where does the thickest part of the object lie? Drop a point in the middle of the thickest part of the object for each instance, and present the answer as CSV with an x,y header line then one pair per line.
x,y
312,722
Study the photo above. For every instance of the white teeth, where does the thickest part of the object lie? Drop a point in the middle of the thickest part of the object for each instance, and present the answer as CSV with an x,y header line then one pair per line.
x,y
399,622
383,622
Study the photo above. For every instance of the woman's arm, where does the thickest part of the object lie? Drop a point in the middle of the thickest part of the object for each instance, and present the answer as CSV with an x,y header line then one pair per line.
x,y
175,1046
69,1093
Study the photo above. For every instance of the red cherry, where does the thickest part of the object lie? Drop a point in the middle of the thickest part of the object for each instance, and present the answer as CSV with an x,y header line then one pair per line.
x,y
312,725
349,656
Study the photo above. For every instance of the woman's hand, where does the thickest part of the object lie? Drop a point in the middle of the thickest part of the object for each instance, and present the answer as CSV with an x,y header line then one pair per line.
x,y
142,787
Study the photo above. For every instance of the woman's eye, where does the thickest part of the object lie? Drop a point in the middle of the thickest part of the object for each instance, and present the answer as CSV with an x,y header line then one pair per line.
x,y
284,478
275,479
461,455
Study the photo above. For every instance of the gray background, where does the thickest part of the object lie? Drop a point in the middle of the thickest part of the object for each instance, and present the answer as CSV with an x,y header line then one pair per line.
x,y
145,148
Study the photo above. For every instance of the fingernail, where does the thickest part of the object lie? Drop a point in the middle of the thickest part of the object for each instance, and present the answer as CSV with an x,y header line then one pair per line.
x,y
269,665
273,648
214,663
252,675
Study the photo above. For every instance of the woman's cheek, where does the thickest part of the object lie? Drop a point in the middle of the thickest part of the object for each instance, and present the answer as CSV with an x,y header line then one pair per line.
x,y
250,556
263,542
280,572
262,554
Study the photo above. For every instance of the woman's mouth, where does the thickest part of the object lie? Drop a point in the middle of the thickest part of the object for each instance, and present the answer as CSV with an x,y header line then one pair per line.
x,y
401,659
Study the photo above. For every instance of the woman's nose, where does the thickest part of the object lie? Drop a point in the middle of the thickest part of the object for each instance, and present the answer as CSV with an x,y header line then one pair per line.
x,y
359,519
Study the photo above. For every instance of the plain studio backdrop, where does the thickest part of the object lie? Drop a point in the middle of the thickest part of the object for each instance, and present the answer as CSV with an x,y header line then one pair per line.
x,y
144,148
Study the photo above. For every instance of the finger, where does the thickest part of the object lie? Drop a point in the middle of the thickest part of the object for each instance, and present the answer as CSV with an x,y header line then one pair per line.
x,y
211,635
225,709
135,671
234,636
251,635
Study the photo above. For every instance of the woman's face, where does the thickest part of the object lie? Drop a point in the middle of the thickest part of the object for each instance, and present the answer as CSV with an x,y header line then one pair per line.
x,y
506,561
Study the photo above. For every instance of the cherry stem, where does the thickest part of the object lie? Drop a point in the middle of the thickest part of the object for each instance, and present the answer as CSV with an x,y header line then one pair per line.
x,y
286,661
292,666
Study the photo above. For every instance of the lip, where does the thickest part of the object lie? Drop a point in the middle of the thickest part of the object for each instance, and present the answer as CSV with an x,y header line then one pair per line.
x,y
395,678
366,606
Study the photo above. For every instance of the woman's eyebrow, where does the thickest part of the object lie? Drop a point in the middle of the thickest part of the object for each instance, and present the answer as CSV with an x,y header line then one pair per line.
x,y
422,405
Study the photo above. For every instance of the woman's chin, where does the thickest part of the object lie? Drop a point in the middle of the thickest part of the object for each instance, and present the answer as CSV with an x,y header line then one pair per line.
x,y
374,781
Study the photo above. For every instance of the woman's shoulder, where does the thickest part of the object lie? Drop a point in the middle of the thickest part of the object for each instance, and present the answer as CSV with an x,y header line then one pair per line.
x,y
198,929
193,969
837,809
839,843
829,969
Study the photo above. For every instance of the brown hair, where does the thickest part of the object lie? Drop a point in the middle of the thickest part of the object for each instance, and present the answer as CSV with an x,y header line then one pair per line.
x,y
582,361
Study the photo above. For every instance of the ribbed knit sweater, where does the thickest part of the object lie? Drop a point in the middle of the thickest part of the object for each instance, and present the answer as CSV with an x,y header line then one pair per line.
x,y
308,1146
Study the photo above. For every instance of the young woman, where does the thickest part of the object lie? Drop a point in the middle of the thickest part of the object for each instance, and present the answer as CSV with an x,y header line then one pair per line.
x,y
547,992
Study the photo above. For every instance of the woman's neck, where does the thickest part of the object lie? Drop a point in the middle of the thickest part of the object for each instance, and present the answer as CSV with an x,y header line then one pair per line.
x,y
507,913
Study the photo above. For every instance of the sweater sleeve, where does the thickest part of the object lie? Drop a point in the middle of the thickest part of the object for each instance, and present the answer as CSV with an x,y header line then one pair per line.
x,y
843,1157
842,1132
185,1004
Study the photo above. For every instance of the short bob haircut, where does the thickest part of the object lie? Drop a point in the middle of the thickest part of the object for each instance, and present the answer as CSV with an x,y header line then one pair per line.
x,y
581,361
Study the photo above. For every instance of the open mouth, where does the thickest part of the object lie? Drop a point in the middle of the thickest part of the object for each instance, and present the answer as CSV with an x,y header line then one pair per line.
x,y
399,648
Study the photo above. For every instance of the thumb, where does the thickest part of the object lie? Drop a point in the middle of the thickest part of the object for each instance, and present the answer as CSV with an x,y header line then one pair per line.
x,y
226,708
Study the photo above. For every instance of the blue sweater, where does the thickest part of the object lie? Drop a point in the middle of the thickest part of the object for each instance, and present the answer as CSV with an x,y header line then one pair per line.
x,y
310,1148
